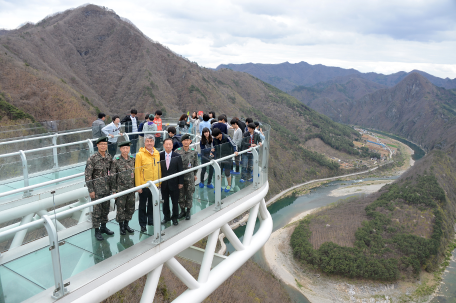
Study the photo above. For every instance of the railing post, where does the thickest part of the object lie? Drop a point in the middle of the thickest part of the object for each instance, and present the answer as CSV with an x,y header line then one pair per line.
x,y
264,161
54,151
218,185
256,178
90,144
157,218
60,289
25,172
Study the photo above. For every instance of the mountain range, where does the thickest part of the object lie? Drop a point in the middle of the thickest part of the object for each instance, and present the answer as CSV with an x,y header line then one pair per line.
x,y
86,60
415,105
288,76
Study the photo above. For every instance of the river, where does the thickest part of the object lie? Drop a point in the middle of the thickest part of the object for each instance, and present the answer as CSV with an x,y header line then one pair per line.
x,y
418,151
285,209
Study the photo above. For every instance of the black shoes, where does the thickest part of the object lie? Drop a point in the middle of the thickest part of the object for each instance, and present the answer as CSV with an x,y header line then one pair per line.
x,y
175,221
122,228
143,229
182,214
164,221
98,235
188,215
105,230
127,228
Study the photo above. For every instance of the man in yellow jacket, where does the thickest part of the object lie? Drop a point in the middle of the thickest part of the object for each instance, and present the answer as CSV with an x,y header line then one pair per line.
x,y
147,168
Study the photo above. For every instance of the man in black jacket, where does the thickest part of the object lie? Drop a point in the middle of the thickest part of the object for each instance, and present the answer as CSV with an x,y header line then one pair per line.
x,y
172,134
251,139
170,163
224,146
131,126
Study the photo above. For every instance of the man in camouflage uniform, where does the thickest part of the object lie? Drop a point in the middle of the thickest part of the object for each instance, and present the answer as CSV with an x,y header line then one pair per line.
x,y
123,178
96,178
189,160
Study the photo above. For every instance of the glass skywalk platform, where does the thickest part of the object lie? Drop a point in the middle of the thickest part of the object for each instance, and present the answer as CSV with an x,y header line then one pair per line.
x,y
27,271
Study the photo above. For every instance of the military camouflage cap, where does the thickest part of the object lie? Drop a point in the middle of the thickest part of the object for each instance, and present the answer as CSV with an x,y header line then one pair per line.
x,y
102,139
185,137
126,143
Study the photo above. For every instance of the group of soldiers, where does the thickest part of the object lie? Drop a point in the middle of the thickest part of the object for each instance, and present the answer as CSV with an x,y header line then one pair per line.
x,y
105,176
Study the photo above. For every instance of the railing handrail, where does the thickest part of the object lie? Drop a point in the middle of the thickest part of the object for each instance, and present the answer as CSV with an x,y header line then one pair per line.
x,y
44,137
72,143
113,196
47,135
27,188
19,190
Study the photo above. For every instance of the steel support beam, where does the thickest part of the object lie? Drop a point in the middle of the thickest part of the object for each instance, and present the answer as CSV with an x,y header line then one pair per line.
x,y
208,256
182,273
196,255
250,225
230,235
151,285
225,269
19,236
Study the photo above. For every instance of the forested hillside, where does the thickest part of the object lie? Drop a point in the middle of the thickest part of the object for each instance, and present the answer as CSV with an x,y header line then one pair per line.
x,y
86,60
406,226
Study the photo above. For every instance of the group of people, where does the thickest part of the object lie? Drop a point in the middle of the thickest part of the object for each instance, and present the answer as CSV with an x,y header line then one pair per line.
x,y
105,175
132,125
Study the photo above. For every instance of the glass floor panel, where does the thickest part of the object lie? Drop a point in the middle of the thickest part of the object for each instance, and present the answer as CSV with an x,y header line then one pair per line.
x,y
134,224
37,266
110,246
15,288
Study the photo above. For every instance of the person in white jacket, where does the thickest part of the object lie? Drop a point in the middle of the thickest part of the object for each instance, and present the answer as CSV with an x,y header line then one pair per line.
x,y
150,126
111,130
237,138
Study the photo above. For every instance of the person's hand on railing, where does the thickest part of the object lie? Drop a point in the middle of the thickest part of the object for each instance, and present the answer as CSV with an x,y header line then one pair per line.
x,y
92,195
236,153
139,191
111,135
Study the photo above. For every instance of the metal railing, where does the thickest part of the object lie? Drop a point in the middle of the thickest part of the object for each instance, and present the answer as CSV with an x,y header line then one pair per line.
x,y
46,220
27,188
54,148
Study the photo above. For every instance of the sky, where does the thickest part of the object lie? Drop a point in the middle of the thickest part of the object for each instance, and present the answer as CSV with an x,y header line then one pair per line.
x,y
371,36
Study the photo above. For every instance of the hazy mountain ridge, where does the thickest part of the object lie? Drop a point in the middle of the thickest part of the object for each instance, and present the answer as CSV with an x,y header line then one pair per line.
x,y
415,109
287,76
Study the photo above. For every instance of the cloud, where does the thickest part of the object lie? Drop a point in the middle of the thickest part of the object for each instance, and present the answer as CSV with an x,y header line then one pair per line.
x,y
406,34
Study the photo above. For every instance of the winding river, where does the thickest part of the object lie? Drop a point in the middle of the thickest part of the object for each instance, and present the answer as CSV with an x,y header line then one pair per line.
x,y
285,209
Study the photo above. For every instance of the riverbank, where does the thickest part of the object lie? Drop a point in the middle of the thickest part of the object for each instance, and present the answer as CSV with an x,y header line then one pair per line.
x,y
278,255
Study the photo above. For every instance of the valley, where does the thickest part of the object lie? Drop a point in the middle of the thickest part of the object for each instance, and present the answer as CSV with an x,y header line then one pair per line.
x,y
362,166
